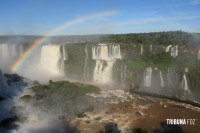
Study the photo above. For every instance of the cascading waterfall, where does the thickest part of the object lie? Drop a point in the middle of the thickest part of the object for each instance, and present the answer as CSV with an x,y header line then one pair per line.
x,y
105,52
123,75
174,51
185,84
168,48
105,56
21,50
64,58
86,70
50,59
4,52
8,53
161,79
148,77
13,49
64,53
98,70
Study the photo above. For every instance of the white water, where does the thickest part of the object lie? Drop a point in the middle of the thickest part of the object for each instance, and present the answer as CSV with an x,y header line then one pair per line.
x,y
106,52
161,79
64,53
50,59
21,49
98,70
105,56
174,51
86,70
168,48
148,77
4,56
13,49
8,53
64,58
185,84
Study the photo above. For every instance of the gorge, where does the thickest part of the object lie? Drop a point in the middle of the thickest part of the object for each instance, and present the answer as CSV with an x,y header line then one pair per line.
x,y
169,70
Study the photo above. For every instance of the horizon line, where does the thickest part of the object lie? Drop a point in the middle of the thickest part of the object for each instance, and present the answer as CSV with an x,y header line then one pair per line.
x,y
97,34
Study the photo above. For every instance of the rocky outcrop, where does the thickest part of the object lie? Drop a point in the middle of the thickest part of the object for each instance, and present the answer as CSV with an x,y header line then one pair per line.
x,y
3,85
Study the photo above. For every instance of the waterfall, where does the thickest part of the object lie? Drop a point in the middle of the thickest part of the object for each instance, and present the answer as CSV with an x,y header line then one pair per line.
x,y
105,56
105,52
85,71
21,50
64,53
98,70
185,84
4,54
141,49
148,77
168,48
64,58
50,59
13,50
107,72
174,51
123,75
8,54
161,79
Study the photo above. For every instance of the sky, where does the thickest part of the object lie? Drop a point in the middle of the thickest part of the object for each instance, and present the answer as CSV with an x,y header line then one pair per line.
x,y
41,17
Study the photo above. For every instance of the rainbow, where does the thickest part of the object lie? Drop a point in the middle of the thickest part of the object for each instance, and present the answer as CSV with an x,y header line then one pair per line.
x,y
27,53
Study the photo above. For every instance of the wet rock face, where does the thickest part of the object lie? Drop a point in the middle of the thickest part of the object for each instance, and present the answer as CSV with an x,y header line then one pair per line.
x,y
12,78
9,123
110,128
3,85
1,98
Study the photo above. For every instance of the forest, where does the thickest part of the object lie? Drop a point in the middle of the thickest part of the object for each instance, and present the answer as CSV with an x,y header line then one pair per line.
x,y
157,38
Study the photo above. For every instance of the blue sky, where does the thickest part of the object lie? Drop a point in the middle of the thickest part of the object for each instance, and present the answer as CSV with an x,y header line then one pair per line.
x,y
39,17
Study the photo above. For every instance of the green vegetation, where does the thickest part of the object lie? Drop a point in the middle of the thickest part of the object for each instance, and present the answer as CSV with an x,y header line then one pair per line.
x,y
160,38
26,98
81,115
65,88
76,59
194,77
62,96
159,60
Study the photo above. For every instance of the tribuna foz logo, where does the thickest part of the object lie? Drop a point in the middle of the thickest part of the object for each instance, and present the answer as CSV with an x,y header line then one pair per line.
x,y
181,121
